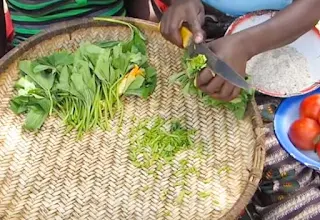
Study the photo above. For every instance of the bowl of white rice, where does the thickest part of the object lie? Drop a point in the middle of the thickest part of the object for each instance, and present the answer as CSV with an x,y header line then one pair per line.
x,y
286,71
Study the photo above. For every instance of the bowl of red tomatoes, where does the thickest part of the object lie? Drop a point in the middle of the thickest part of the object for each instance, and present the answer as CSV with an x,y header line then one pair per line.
x,y
297,127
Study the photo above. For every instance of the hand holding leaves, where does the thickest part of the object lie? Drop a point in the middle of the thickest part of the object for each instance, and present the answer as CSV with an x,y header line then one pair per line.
x,y
187,80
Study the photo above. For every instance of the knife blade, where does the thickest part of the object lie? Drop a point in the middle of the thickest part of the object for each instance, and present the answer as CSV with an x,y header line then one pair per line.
x,y
217,65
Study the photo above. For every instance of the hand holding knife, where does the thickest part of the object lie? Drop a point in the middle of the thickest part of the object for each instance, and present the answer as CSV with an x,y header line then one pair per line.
x,y
217,65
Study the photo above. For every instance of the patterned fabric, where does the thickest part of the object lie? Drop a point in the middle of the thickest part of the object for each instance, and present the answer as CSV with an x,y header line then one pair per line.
x,y
288,189
30,17
9,25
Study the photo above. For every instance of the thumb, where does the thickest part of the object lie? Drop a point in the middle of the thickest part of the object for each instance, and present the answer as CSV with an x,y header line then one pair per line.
x,y
196,28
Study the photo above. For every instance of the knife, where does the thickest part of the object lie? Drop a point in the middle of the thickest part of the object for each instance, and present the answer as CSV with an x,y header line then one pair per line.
x,y
217,65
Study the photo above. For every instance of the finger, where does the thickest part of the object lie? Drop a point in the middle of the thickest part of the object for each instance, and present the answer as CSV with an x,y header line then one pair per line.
x,y
195,22
202,19
235,93
226,92
220,96
163,25
174,32
205,76
170,28
203,89
215,85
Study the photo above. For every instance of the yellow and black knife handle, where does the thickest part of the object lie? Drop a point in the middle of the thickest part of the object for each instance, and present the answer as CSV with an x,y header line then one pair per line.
x,y
186,35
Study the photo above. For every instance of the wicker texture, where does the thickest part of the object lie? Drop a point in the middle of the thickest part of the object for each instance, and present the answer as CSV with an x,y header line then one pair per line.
x,y
50,175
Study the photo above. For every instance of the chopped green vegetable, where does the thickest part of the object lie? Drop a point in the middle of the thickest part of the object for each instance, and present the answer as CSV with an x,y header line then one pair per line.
x,y
206,181
155,141
167,214
224,169
164,195
146,188
83,87
204,195
187,80
180,197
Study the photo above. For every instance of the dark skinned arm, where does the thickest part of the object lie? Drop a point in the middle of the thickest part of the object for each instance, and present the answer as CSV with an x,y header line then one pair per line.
x,y
288,25
284,28
3,41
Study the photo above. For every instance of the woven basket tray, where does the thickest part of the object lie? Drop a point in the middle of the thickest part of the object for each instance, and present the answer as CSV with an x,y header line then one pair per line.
x,y
50,175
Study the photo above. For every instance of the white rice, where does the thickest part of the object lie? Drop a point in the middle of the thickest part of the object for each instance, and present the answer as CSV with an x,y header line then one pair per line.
x,y
283,70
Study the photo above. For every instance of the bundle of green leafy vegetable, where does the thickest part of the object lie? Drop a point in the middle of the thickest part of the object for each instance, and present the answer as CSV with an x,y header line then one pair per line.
x,y
187,80
85,87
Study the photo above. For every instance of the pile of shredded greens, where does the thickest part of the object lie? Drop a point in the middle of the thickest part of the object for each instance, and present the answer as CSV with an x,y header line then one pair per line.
x,y
157,141
85,87
187,80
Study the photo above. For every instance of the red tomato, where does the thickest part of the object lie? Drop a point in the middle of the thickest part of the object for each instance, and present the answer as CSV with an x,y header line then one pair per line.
x,y
310,107
304,132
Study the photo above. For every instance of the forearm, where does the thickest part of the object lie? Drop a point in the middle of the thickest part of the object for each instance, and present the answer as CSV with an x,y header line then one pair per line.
x,y
285,27
3,41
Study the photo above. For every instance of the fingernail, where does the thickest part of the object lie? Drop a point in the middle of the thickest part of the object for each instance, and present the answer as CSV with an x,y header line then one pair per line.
x,y
198,38
213,74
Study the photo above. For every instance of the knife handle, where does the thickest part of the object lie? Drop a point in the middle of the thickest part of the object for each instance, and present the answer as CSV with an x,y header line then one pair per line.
x,y
186,35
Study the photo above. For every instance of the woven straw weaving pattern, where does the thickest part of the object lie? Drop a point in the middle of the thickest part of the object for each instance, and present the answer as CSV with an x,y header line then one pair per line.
x,y
50,175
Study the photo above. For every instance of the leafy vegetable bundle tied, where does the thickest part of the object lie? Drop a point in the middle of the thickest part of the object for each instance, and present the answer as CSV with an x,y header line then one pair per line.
x,y
85,87
187,80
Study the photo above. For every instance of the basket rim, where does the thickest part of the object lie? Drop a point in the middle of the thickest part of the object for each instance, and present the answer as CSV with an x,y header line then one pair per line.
x,y
255,173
